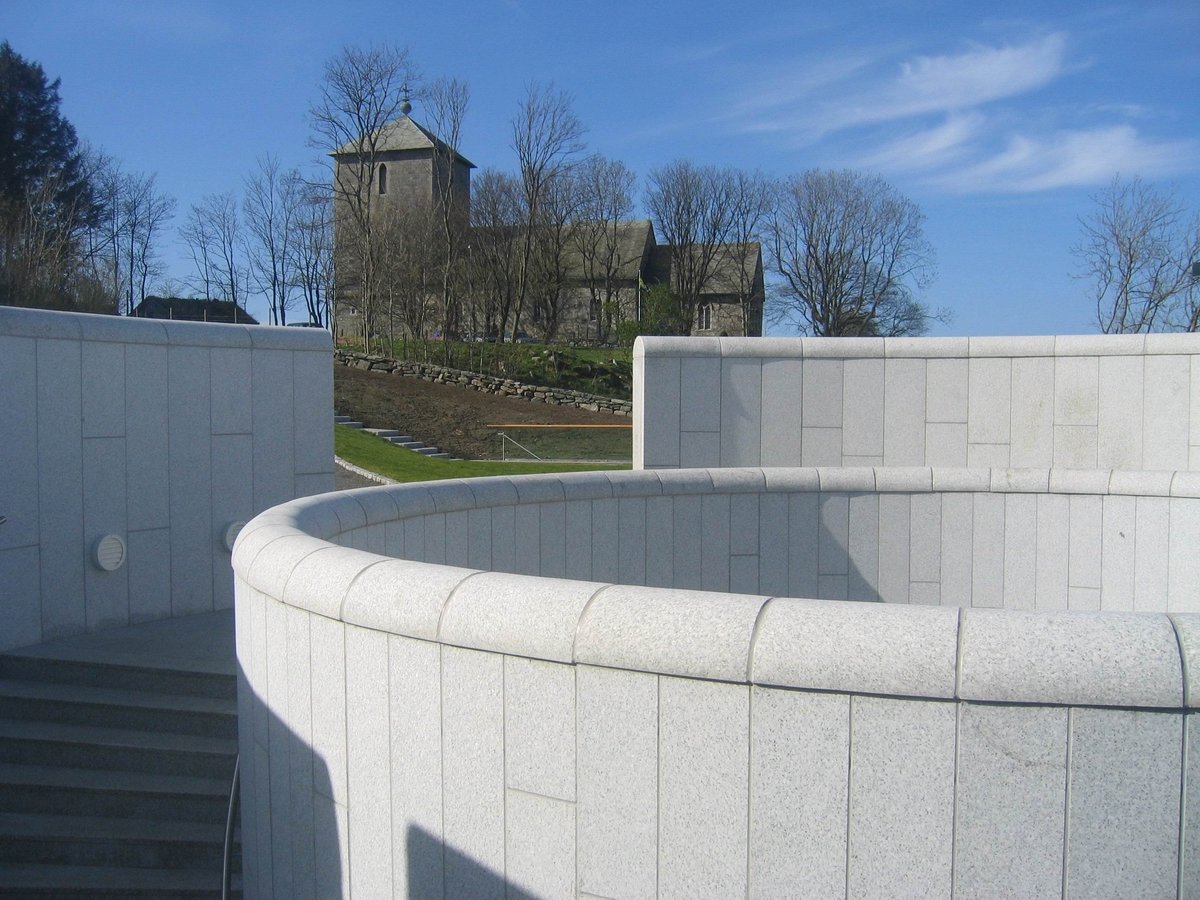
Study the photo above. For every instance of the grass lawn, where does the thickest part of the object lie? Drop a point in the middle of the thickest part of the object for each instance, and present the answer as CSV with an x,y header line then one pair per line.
x,y
380,456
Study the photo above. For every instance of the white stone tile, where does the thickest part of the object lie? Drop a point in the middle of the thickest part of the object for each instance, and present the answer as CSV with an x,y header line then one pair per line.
x,y
19,448
660,413
436,544
741,412
1075,446
1183,574
1011,790
987,550
539,727
772,527
946,444
414,691
925,538
699,393
539,847
1123,815
553,526
280,738
1118,540
743,574
956,572
658,545
1119,436
799,774
273,420
862,582
479,540
1189,871
232,494
328,693
1053,543
577,547
312,391
21,611
618,823
821,393
743,523
990,400
686,516
1031,430
833,587
60,487
1166,414
458,539
894,525
699,449
1076,390
473,767
834,536
1087,519
146,429
231,400
863,407
333,849
925,593
782,390
107,595
261,807
901,797
368,734
904,412
300,757
714,542
604,540
946,391
703,788
190,448
149,576
504,539
103,389
1151,555
821,446
1020,551
527,540
1083,599
631,540
803,540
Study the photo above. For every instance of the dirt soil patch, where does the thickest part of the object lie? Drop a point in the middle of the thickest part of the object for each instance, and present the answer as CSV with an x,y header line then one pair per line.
x,y
450,417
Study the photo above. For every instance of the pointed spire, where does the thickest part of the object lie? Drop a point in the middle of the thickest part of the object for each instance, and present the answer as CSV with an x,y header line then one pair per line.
x,y
405,106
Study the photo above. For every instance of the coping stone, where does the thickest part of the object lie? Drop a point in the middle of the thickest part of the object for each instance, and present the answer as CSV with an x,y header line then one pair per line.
x,y
738,481
1140,483
1187,629
497,490
521,615
843,347
452,495
278,337
41,323
269,572
1185,484
927,348
1025,345
319,581
634,483
699,634
124,330
846,479
762,347
1072,658
206,334
1099,344
413,499
675,482
585,485
954,480
1080,481
402,596
903,480
658,346
1020,481
857,647
536,489
378,506
792,479
1172,343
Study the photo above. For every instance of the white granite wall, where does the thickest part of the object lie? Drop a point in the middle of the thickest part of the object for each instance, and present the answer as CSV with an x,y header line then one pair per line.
x,y
429,727
160,432
1095,402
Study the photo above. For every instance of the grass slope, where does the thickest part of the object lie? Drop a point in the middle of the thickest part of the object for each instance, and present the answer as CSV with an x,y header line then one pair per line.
x,y
377,455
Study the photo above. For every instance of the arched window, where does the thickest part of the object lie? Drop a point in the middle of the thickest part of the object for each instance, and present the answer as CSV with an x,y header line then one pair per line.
x,y
704,317
382,178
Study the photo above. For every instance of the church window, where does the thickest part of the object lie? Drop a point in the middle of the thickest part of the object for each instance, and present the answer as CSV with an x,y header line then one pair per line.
x,y
382,179
704,317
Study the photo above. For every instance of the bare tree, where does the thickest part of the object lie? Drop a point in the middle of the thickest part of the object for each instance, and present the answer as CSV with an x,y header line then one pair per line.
x,y
497,214
447,101
311,249
145,213
212,234
605,200
753,202
693,207
850,251
269,205
362,92
547,138
1138,249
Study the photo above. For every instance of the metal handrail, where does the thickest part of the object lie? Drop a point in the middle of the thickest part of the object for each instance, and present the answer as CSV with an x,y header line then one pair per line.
x,y
234,793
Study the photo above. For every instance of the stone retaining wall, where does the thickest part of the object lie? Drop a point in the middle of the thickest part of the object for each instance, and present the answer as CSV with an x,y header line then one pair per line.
x,y
488,384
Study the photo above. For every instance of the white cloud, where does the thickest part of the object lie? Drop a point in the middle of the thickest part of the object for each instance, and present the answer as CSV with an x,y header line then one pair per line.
x,y
928,147
1071,158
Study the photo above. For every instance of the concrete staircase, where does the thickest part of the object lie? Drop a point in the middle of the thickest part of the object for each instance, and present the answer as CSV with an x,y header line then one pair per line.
x,y
395,437
114,778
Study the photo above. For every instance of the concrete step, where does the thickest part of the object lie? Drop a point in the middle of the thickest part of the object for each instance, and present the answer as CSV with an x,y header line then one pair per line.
x,y
98,841
428,451
104,883
16,666
86,705
125,795
32,742
441,455
401,439
385,433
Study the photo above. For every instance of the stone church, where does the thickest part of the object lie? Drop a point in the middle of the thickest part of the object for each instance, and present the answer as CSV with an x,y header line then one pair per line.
x,y
409,162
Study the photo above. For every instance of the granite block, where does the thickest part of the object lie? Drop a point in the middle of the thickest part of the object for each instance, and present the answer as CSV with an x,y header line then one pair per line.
x,y
473,767
1118,534
1031,427
1165,417
103,406
605,539
821,446
661,405
312,390
703,764
714,542
741,412
230,402
479,539
1076,390
860,647
539,727
1053,551
21,611
902,759
834,535
631,540
989,403
539,846
400,596
1123,805
773,545
1073,658
894,515
1183,553
946,398
1020,551
328,692
987,550
107,593
527,540
369,766
299,756
1119,438
782,389
946,444
552,525
617,813
699,449
799,776
1010,801
863,407
803,541
904,393
660,554
989,456
272,418
862,575
1189,870
1151,554
925,537
699,393
577,538
1086,541
149,579
19,449
821,394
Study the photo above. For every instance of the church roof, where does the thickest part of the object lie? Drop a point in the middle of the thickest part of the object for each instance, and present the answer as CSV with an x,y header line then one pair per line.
x,y
403,134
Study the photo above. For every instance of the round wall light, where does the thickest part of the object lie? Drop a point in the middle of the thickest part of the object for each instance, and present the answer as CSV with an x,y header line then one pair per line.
x,y
109,553
232,532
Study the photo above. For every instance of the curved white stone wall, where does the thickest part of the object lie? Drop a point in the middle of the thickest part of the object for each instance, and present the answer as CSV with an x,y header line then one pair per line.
x,y
1086,402
161,433
416,718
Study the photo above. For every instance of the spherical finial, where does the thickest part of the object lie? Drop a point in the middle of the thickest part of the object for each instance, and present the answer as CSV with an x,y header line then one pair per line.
x,y
405,106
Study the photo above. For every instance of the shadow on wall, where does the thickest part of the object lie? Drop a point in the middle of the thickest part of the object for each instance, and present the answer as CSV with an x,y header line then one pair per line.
x,y
429,857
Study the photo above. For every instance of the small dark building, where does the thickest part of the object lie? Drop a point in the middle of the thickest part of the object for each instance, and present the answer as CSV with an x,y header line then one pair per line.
x,y
186,310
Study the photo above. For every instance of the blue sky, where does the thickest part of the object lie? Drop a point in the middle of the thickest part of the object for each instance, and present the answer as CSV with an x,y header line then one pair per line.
x,y
1000,120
